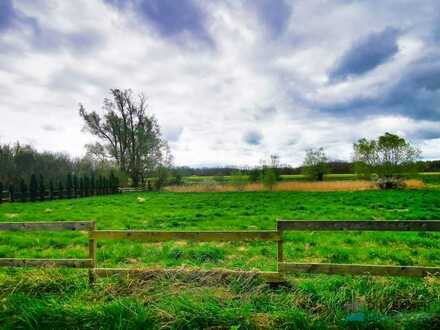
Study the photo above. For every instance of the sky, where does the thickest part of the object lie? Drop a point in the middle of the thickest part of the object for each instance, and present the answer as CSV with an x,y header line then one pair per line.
x,y
229,81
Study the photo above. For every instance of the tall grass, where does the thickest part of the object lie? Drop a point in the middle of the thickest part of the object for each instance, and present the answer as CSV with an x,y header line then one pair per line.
x,y
346,185
43,299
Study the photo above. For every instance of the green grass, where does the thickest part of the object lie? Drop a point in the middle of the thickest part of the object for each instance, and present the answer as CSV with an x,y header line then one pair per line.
x,y
54,299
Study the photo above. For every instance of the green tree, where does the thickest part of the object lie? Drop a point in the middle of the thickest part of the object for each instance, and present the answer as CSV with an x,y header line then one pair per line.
x,y
1,192
315,164
269,177
60,190
23,190
12,193
81,187
239,180
42,188
69,185
254,175
33,188
75,186
86,186
178,179
387,159
162,175
93,184
51,190
128,135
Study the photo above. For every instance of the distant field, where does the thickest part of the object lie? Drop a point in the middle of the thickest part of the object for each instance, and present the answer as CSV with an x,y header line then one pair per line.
x,y
40,299
429,177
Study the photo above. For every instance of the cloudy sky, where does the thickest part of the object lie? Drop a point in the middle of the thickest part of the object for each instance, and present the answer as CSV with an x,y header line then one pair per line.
x,y
230,81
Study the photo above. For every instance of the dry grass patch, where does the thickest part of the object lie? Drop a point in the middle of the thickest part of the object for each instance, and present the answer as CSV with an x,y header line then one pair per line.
x,y
282,186
345,185
415,184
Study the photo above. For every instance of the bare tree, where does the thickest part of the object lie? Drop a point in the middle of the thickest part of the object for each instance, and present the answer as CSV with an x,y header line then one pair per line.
x,y
127,135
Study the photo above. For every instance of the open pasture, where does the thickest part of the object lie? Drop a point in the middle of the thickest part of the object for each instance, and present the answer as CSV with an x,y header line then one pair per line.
x,y
47,299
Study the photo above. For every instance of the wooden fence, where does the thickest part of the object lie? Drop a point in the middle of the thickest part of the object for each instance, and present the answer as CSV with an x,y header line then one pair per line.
x,y
283,268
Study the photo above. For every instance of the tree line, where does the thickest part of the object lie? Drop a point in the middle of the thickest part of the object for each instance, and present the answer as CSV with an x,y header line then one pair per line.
x,y
38,189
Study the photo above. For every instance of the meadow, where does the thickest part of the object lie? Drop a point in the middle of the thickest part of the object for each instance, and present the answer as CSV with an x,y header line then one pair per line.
x,y
52,299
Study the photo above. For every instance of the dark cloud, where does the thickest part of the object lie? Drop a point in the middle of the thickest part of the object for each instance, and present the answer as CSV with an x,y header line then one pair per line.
x,y
253,137
7,14
170,18
426,133
366,54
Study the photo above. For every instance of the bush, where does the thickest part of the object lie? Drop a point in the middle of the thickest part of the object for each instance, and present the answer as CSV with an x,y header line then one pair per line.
x,y
385,160
254,175
162,178
75,186
12,193
42,188
60,190
69,185
315,164
51,190
269,177
23,190
33,188
390,182
239,180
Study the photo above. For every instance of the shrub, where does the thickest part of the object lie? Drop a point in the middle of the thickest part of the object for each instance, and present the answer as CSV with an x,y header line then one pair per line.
x,y
81,187
93,185
239,180
75,186
162,177
12,193
51,190
86,186
268,177
42,188
254,175
114,183
23,190
178,179
60,190
315,164
33,188
385,160
69,185
390,182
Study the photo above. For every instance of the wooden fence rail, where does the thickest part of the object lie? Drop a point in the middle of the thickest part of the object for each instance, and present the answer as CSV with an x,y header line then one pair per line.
x,y
283,268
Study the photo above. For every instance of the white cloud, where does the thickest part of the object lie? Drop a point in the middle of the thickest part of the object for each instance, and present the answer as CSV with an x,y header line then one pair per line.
x,y
206,97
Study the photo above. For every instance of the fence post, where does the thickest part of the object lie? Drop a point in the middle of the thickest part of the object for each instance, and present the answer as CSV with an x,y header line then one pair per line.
x,y
280,256
92,253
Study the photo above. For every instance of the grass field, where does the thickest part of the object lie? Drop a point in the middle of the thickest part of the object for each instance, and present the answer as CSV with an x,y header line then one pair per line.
x,y
54,299
429,177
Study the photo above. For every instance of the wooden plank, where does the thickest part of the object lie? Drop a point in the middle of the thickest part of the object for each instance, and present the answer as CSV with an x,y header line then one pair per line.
x,y
369,225
47,225
92,253
146,274
204,236
379,270
280,256
52,263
